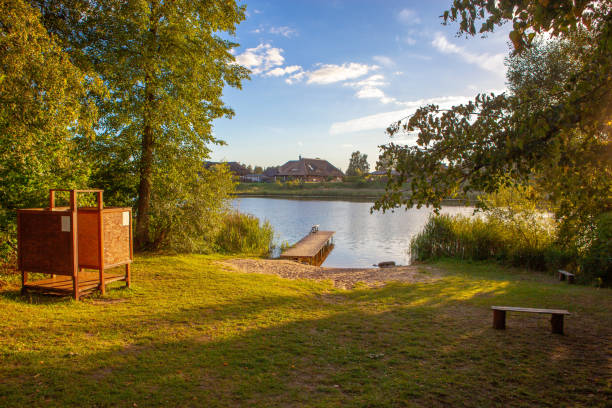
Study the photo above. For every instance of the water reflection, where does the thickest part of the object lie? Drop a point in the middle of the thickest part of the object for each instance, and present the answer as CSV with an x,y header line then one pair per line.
x,y
361,240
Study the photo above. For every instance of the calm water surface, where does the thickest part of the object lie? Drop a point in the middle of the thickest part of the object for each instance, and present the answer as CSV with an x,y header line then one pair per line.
x,y
361,238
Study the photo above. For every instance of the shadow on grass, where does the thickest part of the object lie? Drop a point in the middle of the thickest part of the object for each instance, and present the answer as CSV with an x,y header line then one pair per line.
x,y
380,347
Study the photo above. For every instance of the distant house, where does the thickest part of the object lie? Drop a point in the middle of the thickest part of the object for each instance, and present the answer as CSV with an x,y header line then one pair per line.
x,y
308,170
254,178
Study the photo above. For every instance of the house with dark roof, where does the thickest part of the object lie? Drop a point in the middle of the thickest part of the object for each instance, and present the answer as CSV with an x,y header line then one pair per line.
x,y
309,170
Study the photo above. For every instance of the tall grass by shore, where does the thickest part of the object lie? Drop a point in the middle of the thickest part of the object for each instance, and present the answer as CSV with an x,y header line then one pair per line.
x,y
244,234
530,245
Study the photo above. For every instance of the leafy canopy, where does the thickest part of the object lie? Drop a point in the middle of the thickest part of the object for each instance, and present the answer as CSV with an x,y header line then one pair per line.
x,y
358,164
165,64
46,111
552,127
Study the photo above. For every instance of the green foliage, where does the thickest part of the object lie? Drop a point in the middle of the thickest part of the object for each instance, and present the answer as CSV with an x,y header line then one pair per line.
x,y
552,129
244,234
44,110
481,239
358,165
596,256
295,184
47,112
187,216
556,18
523,211
166,65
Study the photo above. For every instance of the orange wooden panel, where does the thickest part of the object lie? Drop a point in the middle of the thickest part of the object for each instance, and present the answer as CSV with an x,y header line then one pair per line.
x,y
88,238
43,246
116,237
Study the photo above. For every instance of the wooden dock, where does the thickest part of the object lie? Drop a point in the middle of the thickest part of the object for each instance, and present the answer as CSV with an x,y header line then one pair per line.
x,y
312,249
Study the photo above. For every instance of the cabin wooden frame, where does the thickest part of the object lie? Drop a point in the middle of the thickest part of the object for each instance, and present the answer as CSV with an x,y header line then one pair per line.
x,y
68,242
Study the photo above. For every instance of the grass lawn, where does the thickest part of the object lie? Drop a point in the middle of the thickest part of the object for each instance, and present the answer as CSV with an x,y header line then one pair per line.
x,y
192,334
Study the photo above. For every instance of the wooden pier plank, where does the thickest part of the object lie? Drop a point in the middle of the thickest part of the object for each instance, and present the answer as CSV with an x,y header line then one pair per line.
x,y
309,246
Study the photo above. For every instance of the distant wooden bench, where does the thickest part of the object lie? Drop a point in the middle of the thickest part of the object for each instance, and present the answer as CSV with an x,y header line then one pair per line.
x,y
563,275
556,320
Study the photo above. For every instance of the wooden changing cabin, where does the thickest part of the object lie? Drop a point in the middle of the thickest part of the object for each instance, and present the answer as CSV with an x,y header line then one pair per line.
x,y
65,241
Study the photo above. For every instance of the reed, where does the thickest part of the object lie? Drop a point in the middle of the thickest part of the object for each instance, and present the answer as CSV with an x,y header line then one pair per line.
x,y
482,238
244,234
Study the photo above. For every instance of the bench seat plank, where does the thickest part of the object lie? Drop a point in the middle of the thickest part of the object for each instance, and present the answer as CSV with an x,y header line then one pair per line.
x,y
530,310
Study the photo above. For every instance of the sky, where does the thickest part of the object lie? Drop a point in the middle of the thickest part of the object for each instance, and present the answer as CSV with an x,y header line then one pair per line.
x,y
329,76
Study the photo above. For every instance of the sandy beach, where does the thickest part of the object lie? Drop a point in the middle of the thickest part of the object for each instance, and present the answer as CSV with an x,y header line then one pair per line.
x,y
345,278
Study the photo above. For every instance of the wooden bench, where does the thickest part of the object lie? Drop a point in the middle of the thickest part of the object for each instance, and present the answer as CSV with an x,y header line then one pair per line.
x,y
563,275
556,320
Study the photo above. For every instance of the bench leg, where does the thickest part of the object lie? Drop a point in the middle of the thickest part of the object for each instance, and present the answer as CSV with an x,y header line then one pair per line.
x,y
556,321
499,319
570,279
561,277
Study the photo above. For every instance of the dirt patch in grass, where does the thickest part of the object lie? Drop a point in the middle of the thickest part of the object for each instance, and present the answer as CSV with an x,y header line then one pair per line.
x,y
345,278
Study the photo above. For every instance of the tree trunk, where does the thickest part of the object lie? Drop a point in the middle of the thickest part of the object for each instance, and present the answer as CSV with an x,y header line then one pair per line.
x,y
143,236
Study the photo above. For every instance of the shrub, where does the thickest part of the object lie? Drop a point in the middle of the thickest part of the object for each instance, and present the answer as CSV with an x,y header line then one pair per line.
x,y
294,184
243,233
482,238
595,262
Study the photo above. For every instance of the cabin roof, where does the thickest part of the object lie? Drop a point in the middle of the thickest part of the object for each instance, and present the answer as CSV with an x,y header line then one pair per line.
x,y
309,167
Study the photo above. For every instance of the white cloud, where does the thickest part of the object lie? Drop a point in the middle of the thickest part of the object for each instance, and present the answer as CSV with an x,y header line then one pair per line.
x,y
283,71
409,40
297,77
381,121
374,80
347,146
369,88
384,61
330,73
285,31
261,58
489,62
370,92
408,16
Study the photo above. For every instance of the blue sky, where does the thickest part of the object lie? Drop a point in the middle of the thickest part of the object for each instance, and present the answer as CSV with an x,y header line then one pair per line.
x,y
329,76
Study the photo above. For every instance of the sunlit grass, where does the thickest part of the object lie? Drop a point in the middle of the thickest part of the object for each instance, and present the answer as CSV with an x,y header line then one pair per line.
x,y
191,333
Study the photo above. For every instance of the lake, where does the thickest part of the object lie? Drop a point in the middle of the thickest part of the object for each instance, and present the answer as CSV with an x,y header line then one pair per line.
x,y
361,240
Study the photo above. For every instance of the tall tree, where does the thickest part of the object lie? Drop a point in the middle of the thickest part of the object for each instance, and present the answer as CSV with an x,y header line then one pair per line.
x,y
553,125
166,64
46,110
358,164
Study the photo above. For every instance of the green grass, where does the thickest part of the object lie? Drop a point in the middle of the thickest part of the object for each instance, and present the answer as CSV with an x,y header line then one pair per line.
x,y
190,333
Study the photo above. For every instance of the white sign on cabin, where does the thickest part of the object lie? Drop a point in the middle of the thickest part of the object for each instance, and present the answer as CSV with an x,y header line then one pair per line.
x,y
126,218
65,224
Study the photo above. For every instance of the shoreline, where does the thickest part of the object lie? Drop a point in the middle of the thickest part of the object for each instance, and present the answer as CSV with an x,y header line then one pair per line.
x,y
448,201
344,278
